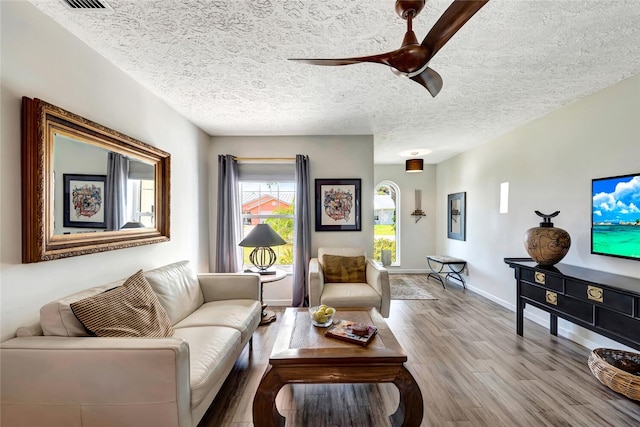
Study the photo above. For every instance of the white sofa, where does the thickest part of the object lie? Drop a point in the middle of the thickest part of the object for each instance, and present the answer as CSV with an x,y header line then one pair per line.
x,y
54,374
375,291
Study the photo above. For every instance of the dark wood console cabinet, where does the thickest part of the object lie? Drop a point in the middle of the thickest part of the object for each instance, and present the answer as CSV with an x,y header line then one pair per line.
x,y
608,304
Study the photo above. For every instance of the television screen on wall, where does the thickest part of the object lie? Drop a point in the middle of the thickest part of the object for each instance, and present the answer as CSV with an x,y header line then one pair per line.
x,y
615,216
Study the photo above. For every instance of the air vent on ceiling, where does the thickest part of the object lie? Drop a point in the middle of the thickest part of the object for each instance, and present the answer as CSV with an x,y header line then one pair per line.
x,y
88,5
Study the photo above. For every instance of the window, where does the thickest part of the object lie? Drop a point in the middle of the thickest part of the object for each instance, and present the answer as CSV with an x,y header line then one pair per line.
x,y
140,194
386,228
271,203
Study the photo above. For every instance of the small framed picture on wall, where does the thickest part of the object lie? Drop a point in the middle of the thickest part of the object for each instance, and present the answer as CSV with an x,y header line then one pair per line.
x,y
338,204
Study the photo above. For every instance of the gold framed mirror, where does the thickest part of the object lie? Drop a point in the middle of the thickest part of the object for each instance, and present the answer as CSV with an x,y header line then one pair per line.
x,y
87,188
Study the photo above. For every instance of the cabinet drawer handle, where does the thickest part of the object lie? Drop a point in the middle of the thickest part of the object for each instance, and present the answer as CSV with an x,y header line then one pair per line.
x,y
551,297
539,277
595,294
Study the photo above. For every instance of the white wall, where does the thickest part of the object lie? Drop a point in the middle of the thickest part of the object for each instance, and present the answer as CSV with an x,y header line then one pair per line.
x,y
41,60
329,157
417,239
549,164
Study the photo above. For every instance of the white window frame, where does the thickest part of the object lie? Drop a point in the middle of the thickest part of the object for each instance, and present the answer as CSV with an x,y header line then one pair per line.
x,y
396,188
246,217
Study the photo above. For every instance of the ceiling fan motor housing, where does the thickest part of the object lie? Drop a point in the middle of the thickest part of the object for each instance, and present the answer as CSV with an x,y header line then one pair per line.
x,y
406,8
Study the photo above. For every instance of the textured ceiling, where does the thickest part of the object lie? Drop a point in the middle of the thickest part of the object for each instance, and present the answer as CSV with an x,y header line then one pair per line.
x,y
223,65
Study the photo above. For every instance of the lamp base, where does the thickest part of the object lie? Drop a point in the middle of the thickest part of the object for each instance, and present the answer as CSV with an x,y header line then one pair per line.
x,y
268,316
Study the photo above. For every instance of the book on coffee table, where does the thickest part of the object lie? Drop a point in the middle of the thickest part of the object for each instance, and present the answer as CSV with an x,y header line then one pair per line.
x,y
343,331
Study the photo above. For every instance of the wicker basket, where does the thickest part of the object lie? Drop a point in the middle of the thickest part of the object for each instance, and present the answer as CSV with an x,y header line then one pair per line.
x,y
619,370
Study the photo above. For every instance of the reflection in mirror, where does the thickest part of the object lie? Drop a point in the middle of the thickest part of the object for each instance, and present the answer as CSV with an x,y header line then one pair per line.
x,y
131,196
88,188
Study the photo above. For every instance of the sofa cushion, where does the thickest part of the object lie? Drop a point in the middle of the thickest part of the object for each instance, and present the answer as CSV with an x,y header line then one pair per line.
x,y
57,318
240,314
350,295
343,269
177,288
130,310
213,351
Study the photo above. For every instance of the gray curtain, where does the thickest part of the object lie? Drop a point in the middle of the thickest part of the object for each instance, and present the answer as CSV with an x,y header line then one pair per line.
x,y
116,191
301,232
228,227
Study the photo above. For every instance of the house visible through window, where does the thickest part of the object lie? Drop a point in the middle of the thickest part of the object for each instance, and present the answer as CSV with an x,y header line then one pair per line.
x,y
271,203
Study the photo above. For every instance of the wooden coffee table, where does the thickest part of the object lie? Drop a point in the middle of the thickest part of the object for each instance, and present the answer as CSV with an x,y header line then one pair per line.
x,y
303,355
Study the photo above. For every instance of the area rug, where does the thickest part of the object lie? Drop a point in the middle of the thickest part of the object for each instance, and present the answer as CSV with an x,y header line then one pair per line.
x,y
409,287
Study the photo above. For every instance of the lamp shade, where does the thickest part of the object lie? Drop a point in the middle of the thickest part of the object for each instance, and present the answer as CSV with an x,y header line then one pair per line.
x,y
414,165
262,235
133,224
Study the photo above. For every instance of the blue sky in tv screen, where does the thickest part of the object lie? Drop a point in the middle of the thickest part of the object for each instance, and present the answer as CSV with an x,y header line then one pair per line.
x,y
616,200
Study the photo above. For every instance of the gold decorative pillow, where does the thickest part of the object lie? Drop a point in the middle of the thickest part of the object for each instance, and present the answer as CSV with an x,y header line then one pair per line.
x,y
130,310
344,269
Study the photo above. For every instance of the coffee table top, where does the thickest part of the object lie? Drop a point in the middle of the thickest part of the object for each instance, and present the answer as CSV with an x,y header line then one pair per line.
x,y
299,342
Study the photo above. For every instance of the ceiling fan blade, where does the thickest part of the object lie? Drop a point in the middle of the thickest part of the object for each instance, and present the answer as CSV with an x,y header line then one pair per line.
x,y
328,62
382,58
430,80
450,22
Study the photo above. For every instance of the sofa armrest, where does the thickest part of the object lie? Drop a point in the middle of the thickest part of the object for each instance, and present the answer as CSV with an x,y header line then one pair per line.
x,y
378,278
225,286
316,282
50,379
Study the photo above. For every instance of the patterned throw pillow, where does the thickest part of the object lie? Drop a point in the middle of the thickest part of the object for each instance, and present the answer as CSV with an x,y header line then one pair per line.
x,y
130,310
344,269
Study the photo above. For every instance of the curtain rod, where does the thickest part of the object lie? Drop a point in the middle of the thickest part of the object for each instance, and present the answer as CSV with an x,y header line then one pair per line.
x,y
240,159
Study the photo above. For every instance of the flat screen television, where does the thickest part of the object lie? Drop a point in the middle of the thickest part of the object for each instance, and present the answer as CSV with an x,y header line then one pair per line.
x,y
615,216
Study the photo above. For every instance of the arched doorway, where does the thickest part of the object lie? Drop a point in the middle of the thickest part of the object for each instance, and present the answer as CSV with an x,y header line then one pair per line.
x,y
386,234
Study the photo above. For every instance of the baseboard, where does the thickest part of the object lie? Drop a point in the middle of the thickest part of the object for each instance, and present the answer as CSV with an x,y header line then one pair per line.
x,y
393,270
278,302
484,294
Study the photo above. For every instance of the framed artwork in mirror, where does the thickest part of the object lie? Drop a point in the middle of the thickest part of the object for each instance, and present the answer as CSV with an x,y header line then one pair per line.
x,y
338,204
85,201
456,224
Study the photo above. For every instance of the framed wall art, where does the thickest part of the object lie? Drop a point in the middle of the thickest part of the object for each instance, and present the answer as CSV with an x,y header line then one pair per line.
x,y
84,201
456,224
338,204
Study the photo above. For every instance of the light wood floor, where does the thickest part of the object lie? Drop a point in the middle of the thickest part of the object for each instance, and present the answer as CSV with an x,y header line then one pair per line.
x,y
471,366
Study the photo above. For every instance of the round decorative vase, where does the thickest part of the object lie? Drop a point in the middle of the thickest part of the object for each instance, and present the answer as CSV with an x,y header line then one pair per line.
x,y
547,245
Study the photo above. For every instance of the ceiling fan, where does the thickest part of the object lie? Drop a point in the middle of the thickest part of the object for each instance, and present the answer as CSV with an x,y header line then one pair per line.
x,y
412,58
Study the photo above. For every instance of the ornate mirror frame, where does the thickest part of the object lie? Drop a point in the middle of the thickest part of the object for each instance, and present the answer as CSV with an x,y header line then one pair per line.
x,y
41,121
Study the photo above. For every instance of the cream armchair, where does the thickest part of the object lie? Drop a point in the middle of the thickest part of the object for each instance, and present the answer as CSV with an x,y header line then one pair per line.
x,y
353,289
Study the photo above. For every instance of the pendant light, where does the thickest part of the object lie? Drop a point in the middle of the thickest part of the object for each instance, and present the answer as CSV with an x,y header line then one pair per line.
x,y
414,164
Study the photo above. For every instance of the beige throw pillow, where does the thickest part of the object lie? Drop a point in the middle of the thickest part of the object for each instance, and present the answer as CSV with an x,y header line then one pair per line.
x,y
130,310
344,269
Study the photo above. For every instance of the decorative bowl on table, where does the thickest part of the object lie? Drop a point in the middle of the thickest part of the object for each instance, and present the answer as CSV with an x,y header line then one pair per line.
x,y
321,315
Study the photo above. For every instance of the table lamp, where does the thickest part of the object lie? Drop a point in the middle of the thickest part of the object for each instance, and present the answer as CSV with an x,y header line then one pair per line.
x,y
261,238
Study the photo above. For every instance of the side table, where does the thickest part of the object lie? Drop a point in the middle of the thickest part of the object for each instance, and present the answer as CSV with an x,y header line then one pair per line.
x,y
269,316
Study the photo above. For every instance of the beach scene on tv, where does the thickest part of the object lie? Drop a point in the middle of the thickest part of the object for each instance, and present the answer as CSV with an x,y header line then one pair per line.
x,y
616,216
